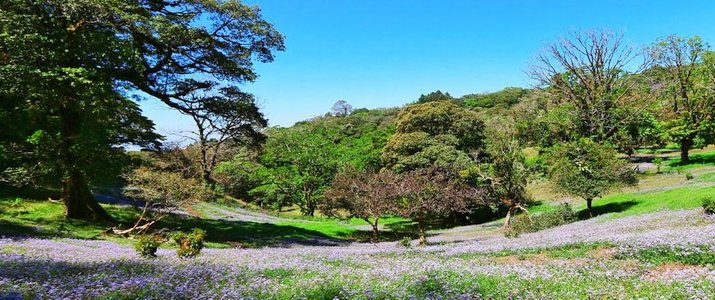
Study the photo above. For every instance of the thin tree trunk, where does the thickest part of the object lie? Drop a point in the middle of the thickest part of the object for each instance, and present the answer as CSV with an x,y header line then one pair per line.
x,y
685,145
507,221
588,205
375,232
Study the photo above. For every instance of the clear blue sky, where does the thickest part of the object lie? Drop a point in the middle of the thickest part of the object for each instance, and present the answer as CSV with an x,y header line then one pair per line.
x,y
385,53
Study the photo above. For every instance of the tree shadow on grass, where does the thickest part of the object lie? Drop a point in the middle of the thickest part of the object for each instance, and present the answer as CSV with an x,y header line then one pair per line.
x,y
253,234
613,207
696,159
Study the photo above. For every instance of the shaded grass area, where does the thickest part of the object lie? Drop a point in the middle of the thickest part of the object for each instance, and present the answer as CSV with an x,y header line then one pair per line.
x,y
696,161
42,218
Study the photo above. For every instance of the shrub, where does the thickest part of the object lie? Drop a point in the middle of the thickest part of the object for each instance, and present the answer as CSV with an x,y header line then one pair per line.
x,y
190,245
689,176
523,223
708,205
658,161
147,244
405,242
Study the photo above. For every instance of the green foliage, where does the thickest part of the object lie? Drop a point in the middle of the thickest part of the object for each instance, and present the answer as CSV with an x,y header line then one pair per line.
x,y
505,98
238,176
508,173
587,169
685,71
434,96
298,163
405,242
190,245
434,134
689,176
708,204
147,244
523,223
658,162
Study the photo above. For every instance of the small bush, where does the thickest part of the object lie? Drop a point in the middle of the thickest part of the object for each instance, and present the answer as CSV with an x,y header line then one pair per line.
x,y
190,245
523,223
658,161
405,242
689,176
708,205
147,244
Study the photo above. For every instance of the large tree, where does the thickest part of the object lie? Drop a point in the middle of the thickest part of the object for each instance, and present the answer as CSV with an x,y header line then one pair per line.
x,y
229,117
302,164
689,88
76,114
70,52
437,133
591,73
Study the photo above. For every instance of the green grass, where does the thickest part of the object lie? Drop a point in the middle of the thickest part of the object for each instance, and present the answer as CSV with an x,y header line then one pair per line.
x,y
699,160
629,204
46,219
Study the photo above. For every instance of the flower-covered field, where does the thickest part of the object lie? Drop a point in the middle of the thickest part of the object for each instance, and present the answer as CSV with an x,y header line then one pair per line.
x,y
665,255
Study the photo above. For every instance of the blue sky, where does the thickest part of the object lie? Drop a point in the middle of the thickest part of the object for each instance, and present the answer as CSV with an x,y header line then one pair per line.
x,y
386,53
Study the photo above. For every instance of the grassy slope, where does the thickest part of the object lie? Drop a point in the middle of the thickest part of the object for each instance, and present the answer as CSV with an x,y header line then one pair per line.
x,y
46,219
669,190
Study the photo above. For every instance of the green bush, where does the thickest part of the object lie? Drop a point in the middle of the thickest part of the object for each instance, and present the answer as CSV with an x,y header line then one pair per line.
x,y
147,244
689,176
524,223
190,245
709,205
658,161
405,242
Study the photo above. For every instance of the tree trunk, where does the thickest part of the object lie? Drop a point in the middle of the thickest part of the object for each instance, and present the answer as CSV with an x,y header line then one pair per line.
x,y
76,195
422,235
588,205
375,232
685,145
507,221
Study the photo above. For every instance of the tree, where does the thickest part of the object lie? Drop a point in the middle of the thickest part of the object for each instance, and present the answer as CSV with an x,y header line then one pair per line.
x,y
53,66
434,96
302,164
688,84
434,192
341,108
434,134
67,53
589,72
362,194
588,169
229,116
163,186
505,98
506,174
